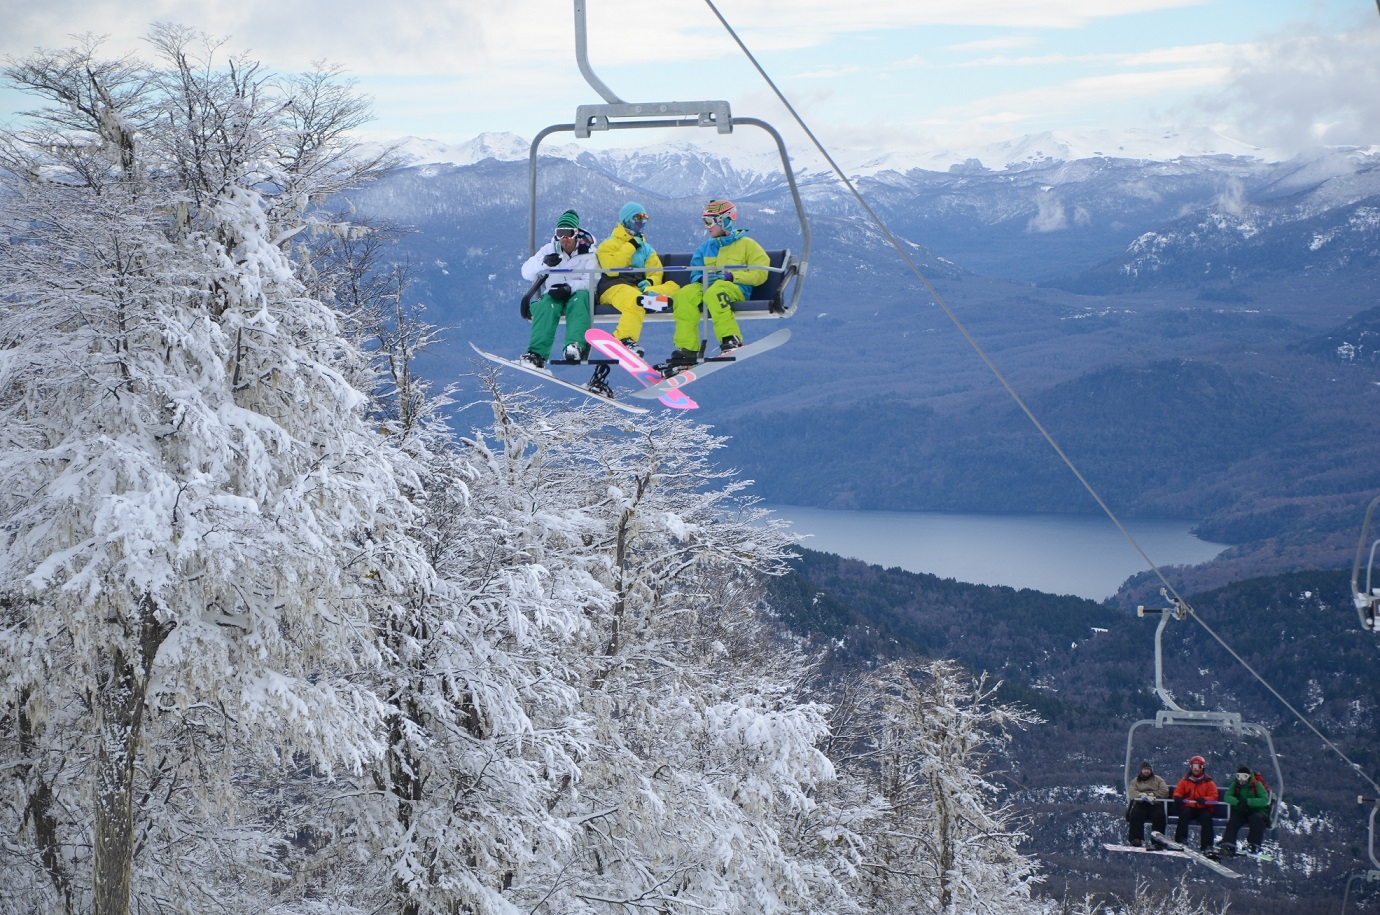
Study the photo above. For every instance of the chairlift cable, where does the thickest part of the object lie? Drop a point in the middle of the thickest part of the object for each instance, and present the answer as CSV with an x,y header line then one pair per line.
x,y
939,300
1297,714
1020,402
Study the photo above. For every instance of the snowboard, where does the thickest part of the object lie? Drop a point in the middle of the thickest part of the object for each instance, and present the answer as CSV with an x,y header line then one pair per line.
x,y
1198,857
638,367
709,367
547,376
1164,852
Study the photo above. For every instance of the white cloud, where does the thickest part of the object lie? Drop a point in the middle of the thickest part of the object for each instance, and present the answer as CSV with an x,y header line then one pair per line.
x,y
1002,43
1080,100
466,36
1306,87
1214,53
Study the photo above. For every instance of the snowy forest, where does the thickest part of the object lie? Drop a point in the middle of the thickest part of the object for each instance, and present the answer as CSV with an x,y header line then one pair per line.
x,y
276,638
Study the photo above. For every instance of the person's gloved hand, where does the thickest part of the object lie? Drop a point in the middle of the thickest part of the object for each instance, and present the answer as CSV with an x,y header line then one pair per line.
x,y
560,292
552,260
644,285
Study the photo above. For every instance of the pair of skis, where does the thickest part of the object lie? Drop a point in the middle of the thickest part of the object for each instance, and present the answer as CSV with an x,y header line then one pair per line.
x,y
667,390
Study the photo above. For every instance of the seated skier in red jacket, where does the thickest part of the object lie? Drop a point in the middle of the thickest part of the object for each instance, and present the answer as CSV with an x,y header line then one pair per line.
x,y
1197,793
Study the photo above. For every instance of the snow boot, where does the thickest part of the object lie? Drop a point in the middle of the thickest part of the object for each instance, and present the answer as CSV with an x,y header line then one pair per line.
x,y
681,359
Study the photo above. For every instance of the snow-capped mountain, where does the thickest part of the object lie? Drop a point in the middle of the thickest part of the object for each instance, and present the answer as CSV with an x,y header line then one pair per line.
x,y
1163,145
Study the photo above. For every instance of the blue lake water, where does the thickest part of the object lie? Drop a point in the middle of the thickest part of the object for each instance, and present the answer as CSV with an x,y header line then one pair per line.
x,y
1061,554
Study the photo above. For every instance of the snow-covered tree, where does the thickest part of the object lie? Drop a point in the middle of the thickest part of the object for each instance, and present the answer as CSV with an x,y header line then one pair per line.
x,y
702,754
191,501
923,740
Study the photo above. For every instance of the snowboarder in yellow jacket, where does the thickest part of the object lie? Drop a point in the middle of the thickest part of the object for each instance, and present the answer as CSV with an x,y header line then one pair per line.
x,y
716,289
634,291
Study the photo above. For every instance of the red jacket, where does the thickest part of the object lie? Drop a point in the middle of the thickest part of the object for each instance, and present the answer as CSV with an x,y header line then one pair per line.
x,y
1196,793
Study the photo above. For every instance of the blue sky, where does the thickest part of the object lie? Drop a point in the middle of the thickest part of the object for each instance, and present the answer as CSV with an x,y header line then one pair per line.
x,y
886,74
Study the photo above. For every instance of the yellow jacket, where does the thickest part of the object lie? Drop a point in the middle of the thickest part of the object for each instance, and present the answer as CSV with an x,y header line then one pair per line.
x,y
618,250
729,250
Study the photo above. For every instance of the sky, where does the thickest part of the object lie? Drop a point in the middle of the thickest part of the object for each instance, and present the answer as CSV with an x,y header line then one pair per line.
x,y
886,75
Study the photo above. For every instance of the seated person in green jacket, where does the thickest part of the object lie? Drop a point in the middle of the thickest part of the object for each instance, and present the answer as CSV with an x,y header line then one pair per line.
x,y
1249,799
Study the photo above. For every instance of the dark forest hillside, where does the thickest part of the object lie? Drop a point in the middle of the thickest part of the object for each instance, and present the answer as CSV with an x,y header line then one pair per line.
x,y
1088,670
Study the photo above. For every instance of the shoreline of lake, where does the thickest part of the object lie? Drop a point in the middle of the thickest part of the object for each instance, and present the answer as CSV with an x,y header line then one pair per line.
x,y
1083,555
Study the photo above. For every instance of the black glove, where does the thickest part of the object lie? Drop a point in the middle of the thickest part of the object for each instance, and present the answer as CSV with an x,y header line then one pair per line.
x,y
552,260
560,292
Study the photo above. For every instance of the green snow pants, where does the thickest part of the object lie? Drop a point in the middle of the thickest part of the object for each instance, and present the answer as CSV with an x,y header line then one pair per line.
x,y
546,315
720,297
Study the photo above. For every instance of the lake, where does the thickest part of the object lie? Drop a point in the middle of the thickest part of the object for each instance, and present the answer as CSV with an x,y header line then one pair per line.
x,y
1060,554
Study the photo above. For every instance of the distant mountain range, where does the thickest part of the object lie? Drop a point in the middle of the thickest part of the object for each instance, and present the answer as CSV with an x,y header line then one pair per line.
x,y
1198,331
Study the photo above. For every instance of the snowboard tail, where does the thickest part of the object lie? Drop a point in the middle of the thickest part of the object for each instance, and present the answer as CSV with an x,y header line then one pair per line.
x,y
709,367
546,376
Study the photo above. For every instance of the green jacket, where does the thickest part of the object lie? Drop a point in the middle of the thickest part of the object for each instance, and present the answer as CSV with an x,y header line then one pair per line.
x,y
1248,797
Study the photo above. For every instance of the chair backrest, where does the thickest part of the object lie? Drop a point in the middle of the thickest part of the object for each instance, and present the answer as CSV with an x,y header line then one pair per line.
x,y
767,300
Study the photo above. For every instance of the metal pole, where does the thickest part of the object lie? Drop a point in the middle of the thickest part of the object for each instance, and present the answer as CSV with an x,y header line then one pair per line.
x,y
582,57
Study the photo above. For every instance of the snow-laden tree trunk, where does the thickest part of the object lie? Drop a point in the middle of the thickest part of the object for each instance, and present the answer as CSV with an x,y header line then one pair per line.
x,y
191,502
119,702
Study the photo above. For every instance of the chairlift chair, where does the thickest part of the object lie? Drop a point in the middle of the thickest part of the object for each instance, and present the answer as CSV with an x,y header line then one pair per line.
x,y
1372,875
1175,716
1365,594
779,296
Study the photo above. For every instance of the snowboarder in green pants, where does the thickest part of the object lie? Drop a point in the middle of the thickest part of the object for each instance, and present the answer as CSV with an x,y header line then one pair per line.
x,y
562,293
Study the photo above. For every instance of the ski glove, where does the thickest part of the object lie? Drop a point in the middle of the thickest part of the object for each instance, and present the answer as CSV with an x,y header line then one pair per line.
x,y
560,292
640,253
644,285
552,260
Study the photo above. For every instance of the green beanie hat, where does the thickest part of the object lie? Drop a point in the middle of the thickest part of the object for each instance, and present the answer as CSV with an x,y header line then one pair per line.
x,y
569,220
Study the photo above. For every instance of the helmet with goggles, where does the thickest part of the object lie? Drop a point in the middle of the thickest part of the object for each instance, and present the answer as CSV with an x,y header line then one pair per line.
x,y
720,213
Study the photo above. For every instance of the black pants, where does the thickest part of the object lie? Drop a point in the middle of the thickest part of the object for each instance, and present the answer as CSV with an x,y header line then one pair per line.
x,y
1200,815
1140,812
1255,822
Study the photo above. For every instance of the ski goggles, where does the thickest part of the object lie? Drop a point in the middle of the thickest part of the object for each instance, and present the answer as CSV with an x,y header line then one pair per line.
x,y
566,233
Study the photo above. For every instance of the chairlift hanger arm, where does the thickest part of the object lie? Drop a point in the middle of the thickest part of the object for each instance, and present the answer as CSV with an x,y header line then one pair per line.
x,y
616,114
1363,594
1173,715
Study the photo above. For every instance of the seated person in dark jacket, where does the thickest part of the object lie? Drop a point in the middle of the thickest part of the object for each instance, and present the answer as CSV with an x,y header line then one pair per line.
x,y
1145,793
